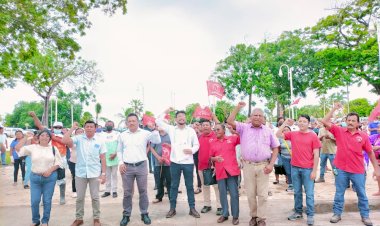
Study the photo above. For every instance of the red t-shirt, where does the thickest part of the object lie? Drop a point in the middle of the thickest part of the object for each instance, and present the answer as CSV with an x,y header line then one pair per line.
x,y
349,155
303,145
204,150
226,148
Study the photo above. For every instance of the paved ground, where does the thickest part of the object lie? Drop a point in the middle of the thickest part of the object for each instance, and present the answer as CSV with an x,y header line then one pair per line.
x,y
15,206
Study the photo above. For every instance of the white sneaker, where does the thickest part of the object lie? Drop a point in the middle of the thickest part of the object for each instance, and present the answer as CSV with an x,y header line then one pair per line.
x,y
74,195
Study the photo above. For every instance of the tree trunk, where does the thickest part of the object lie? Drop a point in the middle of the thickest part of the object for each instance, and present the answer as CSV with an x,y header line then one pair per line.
x,y
376,88
249,104
45,117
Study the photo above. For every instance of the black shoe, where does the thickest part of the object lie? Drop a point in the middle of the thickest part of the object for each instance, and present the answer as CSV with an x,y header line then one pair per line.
x,y
124,221
180,192
106,194
145,218
26,186
205,209
194,213
114,195
171,213
219,212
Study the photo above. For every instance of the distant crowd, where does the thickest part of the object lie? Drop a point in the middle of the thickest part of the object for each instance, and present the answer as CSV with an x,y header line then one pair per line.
x,y
222,153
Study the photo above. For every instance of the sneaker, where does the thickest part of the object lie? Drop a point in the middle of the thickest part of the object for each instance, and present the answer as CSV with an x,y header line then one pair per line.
x,y
219,211
320,180
26,186
74,195
114,195
295,216
106,194
290,189
205,209
310,220
335,218
146,219
367,221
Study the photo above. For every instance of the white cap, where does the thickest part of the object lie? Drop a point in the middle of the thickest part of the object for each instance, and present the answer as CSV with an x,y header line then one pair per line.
x,y
58,124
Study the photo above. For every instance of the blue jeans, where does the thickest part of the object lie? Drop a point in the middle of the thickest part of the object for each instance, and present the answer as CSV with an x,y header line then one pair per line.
x,y
341,182
288,168
324,158
230,184
3,156
301,176
28,169
175,172
41,186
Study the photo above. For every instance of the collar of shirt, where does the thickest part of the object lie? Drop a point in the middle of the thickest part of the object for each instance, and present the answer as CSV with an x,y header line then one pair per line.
x,y
346,131
257,127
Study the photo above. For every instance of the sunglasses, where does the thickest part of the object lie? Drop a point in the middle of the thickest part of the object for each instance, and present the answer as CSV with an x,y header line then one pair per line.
x,y
57,127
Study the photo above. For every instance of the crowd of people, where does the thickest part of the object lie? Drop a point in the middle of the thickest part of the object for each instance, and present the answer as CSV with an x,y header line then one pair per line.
x,y
235,150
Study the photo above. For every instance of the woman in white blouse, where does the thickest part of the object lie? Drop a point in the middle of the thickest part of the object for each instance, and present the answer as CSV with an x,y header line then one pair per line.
x,y
43,176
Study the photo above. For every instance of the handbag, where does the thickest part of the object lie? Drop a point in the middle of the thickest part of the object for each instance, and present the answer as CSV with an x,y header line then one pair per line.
x,y
60,171
209,176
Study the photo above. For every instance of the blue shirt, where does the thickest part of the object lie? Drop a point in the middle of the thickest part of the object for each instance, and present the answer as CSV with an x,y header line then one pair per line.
x,y
13,145
88,155
373,125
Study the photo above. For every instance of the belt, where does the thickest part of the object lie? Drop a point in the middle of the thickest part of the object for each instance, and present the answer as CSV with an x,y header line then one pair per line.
x,y
256,163
134,164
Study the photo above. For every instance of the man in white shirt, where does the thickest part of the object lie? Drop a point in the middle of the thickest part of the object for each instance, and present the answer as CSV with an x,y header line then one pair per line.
x,y
132,148
185,143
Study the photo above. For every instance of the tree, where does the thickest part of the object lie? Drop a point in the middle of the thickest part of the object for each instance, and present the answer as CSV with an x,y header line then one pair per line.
x,y
20,118
85,117
360,106
137,106
347,49
125,113
98,109
28,26
46,73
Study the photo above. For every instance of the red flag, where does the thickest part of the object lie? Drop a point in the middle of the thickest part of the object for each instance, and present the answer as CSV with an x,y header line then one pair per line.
x,y
375,112
166,149
204,113
296,101
167,117
146,119
215,89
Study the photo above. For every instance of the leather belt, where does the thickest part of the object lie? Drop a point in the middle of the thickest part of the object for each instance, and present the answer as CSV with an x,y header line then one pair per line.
x,y
256,163
134,164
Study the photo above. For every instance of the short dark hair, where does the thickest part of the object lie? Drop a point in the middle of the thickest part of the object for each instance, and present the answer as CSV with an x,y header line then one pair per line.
x,y
132,115
279,118
304,116
204,120
353,114
180,112
90,122
44,131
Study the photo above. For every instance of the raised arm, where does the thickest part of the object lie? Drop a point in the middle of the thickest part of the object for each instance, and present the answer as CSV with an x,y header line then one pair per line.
x,y
231,118
66,139
279,133
37,122
160,120
327,119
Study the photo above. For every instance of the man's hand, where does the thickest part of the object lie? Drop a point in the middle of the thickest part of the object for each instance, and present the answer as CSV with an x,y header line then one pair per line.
x,y
337,105
268,169
241,105
219,158
188,151
313,175
102,178
113,156
32,114
123,169
160,159
170,109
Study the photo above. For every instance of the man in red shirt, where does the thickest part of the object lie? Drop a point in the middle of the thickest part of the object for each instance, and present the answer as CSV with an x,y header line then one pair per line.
x,y
349,162
305,157
205,138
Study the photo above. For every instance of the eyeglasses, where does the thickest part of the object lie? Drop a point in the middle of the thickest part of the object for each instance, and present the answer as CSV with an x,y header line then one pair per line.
x,y
57,127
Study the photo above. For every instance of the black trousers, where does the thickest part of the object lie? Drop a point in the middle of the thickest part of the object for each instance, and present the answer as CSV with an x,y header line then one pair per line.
x,y
19,164
196,161
72,170
163,178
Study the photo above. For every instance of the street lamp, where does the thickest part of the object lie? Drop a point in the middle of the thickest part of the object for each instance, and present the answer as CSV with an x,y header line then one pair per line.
x,y
290,77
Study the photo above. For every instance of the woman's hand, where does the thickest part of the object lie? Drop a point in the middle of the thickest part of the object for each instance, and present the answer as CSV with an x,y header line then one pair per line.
x,y
47,173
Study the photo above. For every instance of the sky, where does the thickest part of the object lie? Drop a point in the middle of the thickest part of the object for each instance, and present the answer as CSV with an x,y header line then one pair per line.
x,y
163,51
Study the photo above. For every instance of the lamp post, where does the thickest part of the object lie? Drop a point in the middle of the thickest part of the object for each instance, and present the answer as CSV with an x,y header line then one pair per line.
x,y
290,77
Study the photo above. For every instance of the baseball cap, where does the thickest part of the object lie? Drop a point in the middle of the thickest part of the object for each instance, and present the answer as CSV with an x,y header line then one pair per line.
x,y
58,124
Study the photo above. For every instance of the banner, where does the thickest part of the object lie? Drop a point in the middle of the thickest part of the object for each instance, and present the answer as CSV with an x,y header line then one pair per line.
x,y
215,89
146,119
204,113
296,101
166,149
375,112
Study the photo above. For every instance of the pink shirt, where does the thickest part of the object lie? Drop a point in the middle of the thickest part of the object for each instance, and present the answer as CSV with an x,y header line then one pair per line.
x,y
256,143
